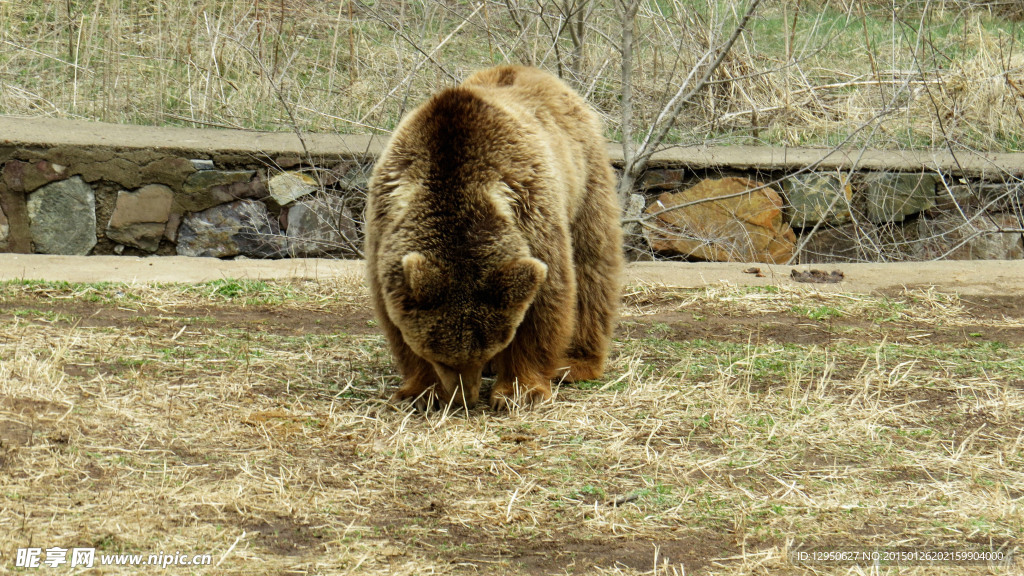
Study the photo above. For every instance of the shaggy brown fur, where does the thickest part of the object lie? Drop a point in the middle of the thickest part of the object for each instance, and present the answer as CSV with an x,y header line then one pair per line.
x,y
493,238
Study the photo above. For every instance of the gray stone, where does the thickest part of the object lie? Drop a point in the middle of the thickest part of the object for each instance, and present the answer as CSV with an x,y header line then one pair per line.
x,y
815,198
140,217
829,245
147,204
201,164
62,217
357,177
320,227
950,237
330,176
661,179
202,180
143,235
863,242
956,195
288,187
891,197
992,197
5,228
636,247
242,227
286,162
207,188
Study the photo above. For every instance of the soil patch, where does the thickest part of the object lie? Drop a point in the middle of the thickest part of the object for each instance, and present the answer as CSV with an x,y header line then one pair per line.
x,y
795,328
269,319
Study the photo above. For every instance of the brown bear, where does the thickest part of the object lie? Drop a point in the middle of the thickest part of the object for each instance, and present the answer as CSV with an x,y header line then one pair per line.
x,y
493,239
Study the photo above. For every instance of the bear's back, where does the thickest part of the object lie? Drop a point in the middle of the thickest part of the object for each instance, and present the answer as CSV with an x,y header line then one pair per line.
x,y
506,119
512,125
541,95
509,141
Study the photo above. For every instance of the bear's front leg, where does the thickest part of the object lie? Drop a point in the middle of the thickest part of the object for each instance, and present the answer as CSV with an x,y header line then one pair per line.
x,y
419,380
418,383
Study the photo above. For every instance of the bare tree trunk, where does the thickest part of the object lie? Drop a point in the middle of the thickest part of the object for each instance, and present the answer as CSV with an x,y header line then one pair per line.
x,y
628,14
576,12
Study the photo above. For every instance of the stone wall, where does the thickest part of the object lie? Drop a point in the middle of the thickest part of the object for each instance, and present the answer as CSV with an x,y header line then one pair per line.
x,y
69,187
839,215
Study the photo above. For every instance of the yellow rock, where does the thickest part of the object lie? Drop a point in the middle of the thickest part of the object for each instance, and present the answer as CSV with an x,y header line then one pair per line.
x,y
726,220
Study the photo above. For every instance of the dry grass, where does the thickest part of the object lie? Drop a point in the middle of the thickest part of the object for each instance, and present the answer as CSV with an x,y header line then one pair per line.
x,y
805,73
249,421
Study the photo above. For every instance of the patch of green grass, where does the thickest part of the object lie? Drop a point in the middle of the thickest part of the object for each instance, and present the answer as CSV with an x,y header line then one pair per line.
x,y
598,384
889,310
822,312
657,496
661,329
86,291
765,289
772,363
591,491
42,315
249,291
39,285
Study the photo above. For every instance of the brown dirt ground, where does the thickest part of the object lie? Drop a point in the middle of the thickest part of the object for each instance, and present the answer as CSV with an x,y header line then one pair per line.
x,y
669,322
423,503
423,507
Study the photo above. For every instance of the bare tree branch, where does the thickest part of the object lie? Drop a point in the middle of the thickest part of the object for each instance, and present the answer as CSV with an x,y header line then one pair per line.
x,y
636,161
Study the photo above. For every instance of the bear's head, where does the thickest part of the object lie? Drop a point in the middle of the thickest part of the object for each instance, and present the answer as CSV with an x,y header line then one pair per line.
x,y
459,318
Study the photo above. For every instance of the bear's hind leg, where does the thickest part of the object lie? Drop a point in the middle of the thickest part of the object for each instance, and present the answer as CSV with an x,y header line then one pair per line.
x,y
515,391
521,380
597,252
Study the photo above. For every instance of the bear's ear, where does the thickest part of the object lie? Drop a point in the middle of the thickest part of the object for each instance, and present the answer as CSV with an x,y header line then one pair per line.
x,y
517,281
421,276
